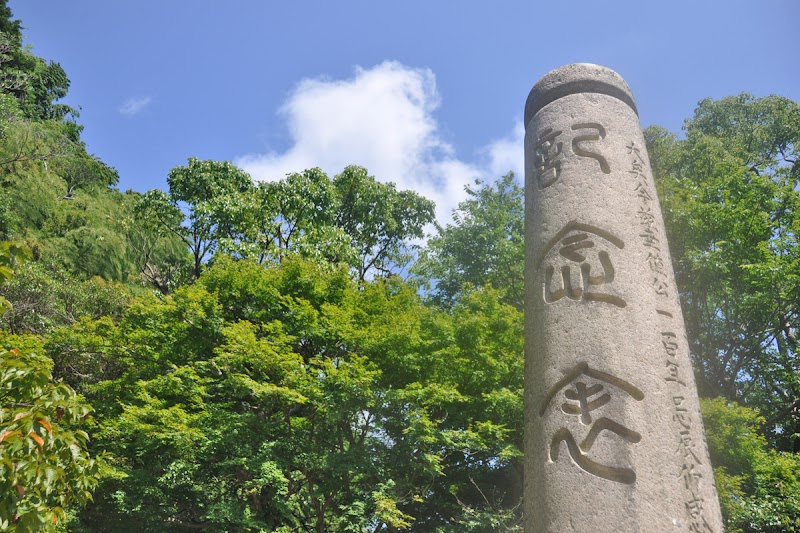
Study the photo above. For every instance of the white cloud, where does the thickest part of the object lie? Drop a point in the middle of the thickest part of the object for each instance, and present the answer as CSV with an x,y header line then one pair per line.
x,y
508,153
134,106
381,118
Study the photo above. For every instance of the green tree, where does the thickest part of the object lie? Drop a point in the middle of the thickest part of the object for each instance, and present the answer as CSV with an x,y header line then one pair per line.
x,y
36,84
483,246
731,203
290,216
81,170
44,465
24,141
292,397
352,219
202,186
156,240
380,221
45,468
759,488
59,198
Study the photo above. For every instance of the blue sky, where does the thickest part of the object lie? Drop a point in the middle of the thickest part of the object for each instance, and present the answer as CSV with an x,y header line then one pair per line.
x,y
428,94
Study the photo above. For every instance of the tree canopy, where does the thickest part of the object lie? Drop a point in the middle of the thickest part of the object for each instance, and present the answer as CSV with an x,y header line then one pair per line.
x,y
732,206
297,355
483,246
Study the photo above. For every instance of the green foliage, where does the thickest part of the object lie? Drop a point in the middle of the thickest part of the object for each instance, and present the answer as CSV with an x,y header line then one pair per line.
x,y
82,227
155,240
379,219
352,219
734,437
200,181
44,299
759,488
286,217
34,82
200,185
81,170
11,254
23,141
293,397
44,464
74,224
731,203
484,246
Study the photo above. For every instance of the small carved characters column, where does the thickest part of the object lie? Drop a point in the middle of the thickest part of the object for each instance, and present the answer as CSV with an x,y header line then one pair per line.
x,y
614,438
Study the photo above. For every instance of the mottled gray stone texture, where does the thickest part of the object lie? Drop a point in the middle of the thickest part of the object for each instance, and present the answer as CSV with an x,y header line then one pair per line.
x,y
614,437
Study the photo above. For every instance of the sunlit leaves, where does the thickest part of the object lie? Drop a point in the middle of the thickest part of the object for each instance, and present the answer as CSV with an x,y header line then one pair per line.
x,y
44,464
759,488
282,396
483,246
731,206
11,254
380,220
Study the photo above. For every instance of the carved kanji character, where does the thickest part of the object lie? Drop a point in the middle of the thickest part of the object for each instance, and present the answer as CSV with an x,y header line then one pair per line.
x,y
600,133
548,157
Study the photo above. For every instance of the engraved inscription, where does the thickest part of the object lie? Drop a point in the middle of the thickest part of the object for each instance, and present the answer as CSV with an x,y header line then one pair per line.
x,y
579,150
694,508
583,399
671,351
548,157
578,452
582,393
647,221
580,267
549,152
691,476
685,445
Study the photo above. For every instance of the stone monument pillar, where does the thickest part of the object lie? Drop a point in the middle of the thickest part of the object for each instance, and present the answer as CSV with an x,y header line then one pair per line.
x,y
614,437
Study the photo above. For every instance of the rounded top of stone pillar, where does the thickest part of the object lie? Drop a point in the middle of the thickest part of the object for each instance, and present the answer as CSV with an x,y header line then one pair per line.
x,y
573,79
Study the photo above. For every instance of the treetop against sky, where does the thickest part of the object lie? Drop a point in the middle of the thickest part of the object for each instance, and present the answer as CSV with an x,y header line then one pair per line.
x,y
426,94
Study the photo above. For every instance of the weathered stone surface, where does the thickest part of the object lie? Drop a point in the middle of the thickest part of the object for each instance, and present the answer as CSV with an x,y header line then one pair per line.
x,y
614,438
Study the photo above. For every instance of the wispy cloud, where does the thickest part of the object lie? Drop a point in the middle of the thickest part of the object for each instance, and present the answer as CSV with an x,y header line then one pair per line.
x,y
383,119
134,106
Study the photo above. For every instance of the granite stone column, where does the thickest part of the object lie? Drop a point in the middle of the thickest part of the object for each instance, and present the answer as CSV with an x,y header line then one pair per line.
x,y
614,437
